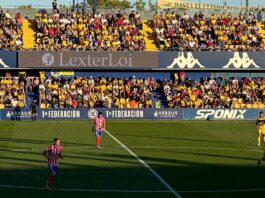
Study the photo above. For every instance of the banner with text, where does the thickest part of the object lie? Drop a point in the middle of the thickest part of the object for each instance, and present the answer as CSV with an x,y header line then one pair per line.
x,y
87,59
221,114
212,60
133,114
84,114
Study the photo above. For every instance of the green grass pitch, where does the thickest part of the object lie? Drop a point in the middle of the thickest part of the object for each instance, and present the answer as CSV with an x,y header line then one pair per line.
x,y
194,157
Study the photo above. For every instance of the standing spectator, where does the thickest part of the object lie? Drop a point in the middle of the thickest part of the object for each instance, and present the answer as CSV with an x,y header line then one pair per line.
x,y
55,5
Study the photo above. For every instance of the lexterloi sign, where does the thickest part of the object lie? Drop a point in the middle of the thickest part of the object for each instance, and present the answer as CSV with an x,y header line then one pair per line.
x,y
87,59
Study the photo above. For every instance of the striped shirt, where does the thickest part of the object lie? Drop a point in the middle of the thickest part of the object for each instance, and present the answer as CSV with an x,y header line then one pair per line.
x,y
53,152
99,123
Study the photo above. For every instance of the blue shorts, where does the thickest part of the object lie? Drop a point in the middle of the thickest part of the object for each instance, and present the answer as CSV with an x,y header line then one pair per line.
x,y
53,168
99,132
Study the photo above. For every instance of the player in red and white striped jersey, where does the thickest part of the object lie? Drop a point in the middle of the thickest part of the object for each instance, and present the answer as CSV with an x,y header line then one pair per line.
x,y
53,153
99,127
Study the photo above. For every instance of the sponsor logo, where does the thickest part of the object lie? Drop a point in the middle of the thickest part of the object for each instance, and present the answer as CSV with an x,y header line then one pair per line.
x,y
185,62
61,114
125,114
220,114
95,61
241,62
166,114
92,114
2,63
18,114
47,59
68,60
55,74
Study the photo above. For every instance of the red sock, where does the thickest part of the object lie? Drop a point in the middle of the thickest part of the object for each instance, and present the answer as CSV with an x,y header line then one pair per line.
x,y
98,141
50,180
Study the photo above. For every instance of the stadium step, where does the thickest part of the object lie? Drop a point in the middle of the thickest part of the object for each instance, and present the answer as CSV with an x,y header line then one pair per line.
x,y
28,34
148,31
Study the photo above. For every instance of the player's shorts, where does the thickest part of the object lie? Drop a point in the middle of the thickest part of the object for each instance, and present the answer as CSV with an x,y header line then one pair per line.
x,y
53,168
99,132
262,130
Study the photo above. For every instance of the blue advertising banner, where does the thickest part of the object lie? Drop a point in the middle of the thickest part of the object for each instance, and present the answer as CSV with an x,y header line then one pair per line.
x,y
221,114
85,114
8,59
133,114
212,60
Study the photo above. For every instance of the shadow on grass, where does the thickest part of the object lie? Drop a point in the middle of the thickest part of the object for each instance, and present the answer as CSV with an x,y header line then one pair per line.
x,y
180,177
174,138
21,140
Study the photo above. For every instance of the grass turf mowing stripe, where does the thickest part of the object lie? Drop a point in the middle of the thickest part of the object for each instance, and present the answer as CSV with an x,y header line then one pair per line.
x,y
145,165
144,147
85,190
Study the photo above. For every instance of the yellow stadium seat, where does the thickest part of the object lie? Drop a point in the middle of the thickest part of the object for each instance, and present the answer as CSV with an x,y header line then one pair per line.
x,y
2,106
237,105
261,106
249,106
43,106
243,105
255,106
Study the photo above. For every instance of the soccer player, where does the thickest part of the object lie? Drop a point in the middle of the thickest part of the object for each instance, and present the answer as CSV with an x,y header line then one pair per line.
x,y
33,108
53,153
261,126
99,127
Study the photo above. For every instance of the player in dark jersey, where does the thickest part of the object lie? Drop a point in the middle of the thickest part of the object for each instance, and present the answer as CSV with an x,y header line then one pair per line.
x,y
33,108
53,153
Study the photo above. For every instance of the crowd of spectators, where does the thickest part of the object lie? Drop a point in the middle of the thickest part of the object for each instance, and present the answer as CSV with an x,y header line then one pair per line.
x,y
215,93
224,32
77,31
10,31
89,92
83,92
12,92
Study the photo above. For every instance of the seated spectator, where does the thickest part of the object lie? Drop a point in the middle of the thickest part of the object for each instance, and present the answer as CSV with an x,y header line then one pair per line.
x,y
75,31
10,31
215,93
225,32
91,92
12,92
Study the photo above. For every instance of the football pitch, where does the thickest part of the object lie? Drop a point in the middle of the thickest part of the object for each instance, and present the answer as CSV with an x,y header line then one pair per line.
x,y
138,159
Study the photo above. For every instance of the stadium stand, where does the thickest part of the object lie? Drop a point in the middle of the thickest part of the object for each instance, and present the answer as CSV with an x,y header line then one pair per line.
x,y
215,93
18,90
73,30
224,32
97,92
12,92
10,31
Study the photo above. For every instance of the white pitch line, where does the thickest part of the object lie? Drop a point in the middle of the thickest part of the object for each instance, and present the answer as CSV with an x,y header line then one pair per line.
x,y
224,190
86,190
145,165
